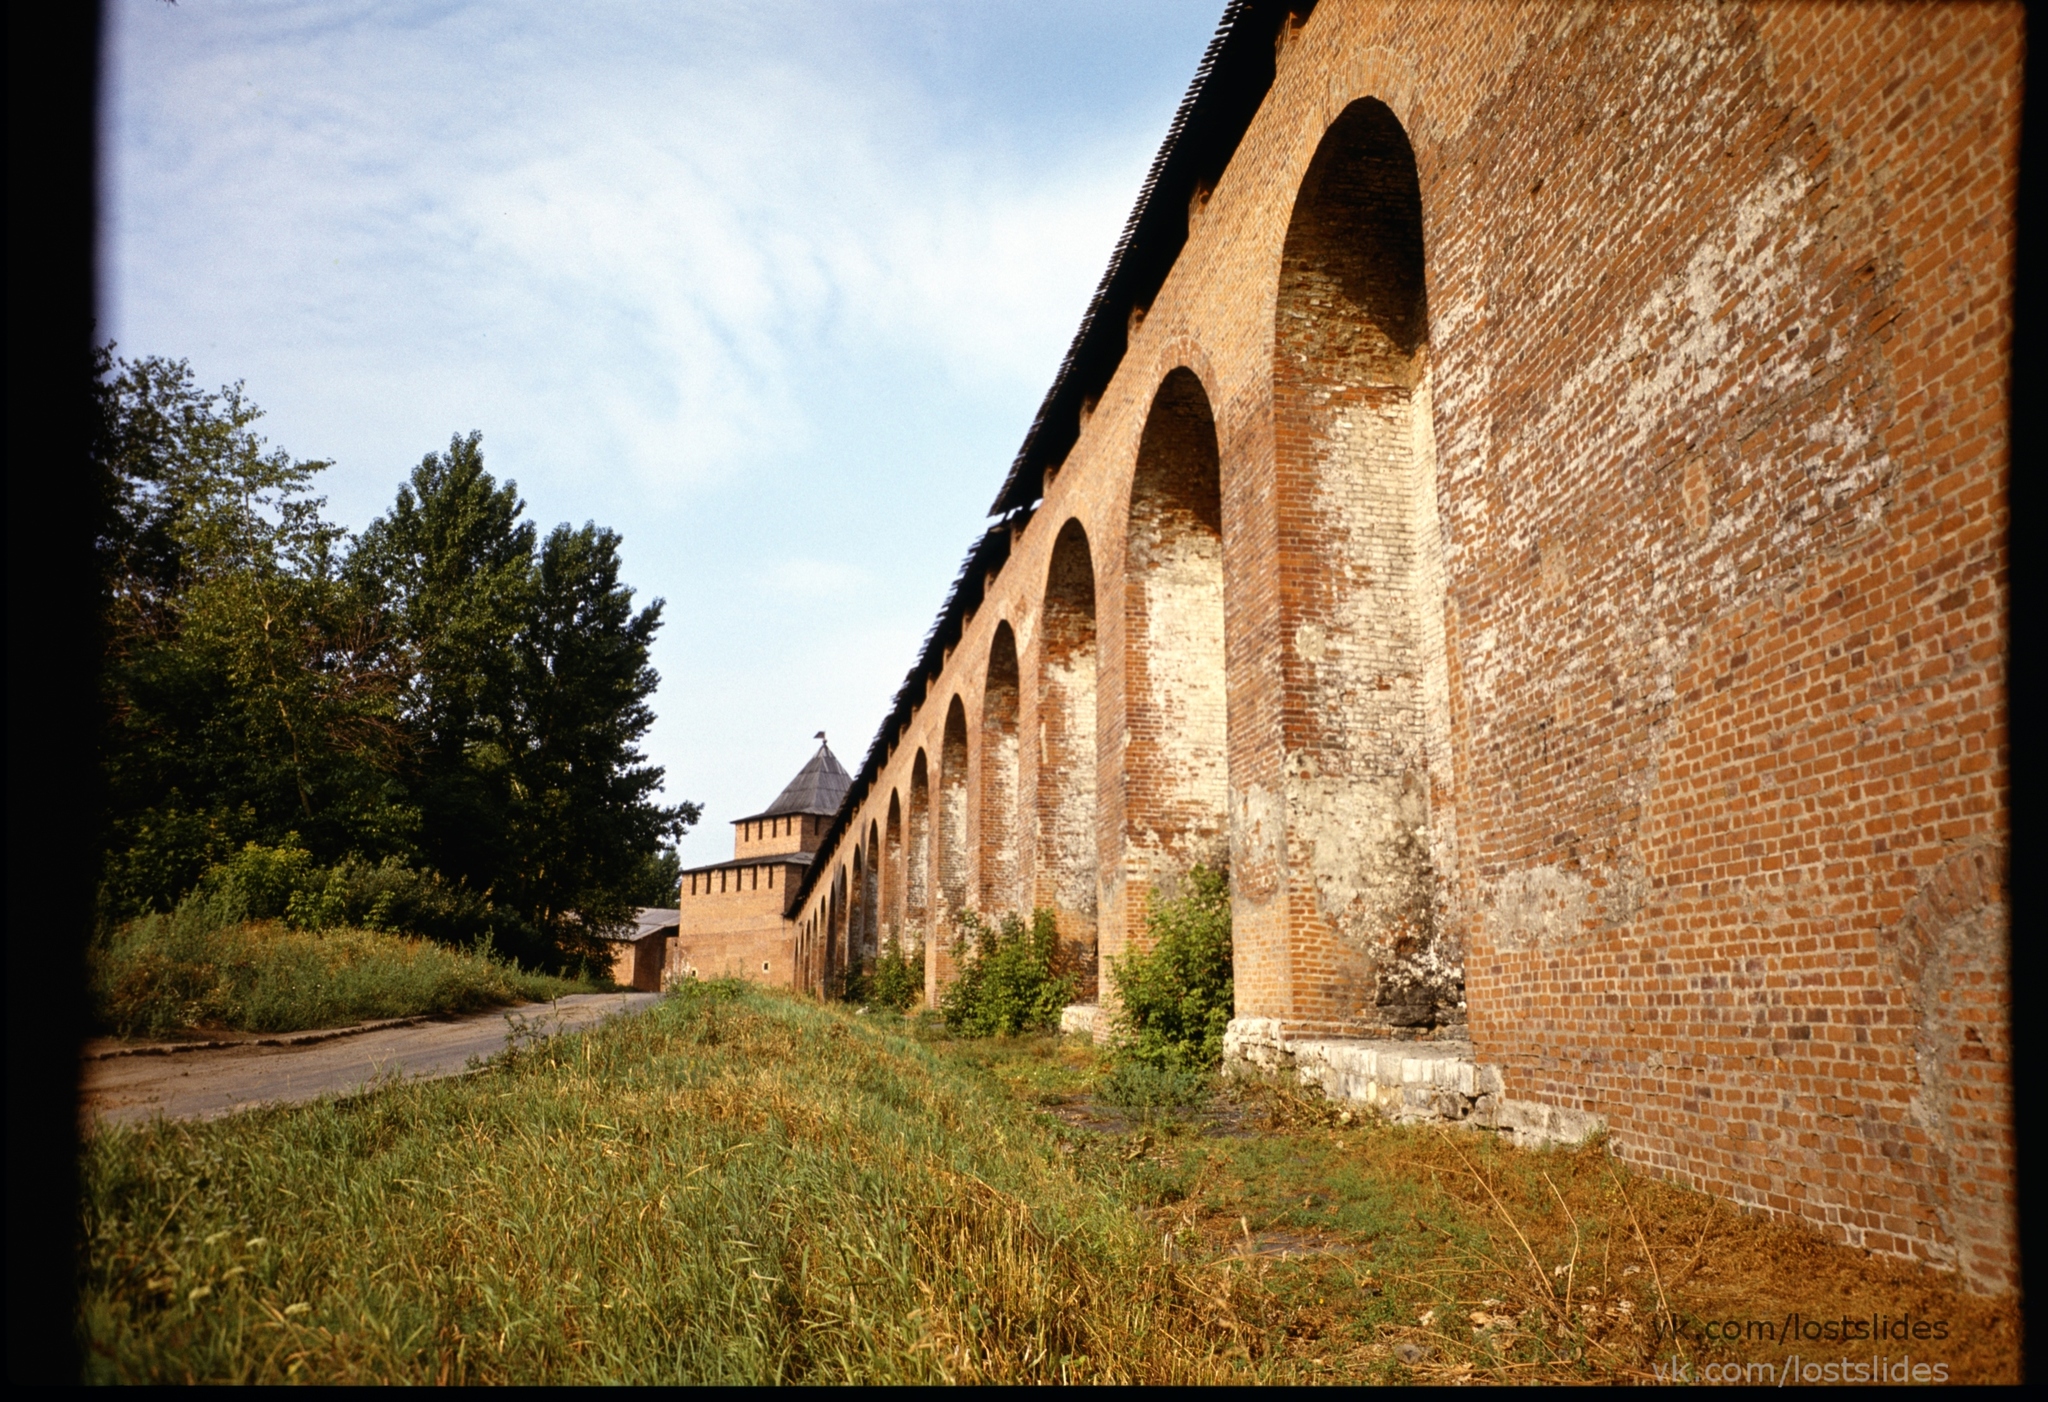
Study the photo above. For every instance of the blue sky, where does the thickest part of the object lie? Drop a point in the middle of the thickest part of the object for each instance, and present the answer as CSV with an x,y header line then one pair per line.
x,y
771,289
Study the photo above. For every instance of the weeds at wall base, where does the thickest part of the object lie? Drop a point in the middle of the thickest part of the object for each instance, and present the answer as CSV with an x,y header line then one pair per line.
x,y
740,1186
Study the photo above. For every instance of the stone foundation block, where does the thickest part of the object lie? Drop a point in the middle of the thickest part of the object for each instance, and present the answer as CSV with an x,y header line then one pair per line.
x,y
1408,1082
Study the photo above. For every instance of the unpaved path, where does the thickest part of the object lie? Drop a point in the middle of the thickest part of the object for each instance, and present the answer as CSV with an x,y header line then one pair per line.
x,y
219,1080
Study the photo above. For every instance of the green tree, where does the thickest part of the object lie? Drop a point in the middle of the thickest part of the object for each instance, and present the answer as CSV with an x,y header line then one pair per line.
x,y
528,687
250,690
583,817
659,880
453,564
447,687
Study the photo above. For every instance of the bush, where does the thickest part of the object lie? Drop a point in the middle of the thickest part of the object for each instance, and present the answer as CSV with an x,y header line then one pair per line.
x,y
191,969
895,982
1010,978
284,883
405,900
259,882
1177,998
1138,1085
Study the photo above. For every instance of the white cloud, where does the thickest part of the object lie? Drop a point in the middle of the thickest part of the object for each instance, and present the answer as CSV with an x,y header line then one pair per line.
x,y
763,287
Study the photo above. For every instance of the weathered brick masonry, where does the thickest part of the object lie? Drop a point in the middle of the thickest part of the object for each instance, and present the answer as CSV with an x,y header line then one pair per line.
x,y
1530,497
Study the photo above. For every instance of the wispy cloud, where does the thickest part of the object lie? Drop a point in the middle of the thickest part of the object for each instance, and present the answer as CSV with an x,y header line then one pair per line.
x,y
760,286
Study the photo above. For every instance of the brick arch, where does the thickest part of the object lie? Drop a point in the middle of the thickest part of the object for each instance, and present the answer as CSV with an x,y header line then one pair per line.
x,y
1362,594
1068,865
917,864
1175,760
834,972
1181,348
871,896
892,871
1000,705
952,812
856,908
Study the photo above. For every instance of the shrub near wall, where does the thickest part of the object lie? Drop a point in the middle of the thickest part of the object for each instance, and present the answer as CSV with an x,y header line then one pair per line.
x,y
285,883
1176,998
1010,978
895,982
203,966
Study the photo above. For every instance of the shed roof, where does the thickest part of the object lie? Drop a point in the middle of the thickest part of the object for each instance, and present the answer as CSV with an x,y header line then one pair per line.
x,y
649,920
768,859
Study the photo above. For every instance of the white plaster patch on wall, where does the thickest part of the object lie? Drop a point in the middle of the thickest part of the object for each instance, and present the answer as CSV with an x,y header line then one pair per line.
x,y
1359,797
1360,840
999,824
1545,905
1184,616
1685,337
1258,851
953,847
1070,690
1368,667
1430,597
1482,667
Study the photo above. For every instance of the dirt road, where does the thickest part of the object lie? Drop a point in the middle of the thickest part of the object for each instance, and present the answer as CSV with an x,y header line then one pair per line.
x,y
203,1084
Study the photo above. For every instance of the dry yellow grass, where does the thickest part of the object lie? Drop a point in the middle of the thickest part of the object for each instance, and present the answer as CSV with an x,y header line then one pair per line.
x,y
743,1187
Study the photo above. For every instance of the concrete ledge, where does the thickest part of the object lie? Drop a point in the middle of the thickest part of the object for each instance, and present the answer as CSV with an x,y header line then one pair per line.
x,y
101,1048
1408,1082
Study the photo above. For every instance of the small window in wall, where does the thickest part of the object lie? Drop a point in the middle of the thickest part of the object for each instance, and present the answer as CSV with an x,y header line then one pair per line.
x,y
764,966
771,878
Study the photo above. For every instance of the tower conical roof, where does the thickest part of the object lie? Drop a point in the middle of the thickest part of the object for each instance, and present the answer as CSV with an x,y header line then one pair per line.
x,y
817,788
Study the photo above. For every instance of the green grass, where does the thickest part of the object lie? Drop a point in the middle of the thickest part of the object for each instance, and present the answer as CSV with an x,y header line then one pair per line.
x,y
166,974
741,1186
1362,1251
733,1187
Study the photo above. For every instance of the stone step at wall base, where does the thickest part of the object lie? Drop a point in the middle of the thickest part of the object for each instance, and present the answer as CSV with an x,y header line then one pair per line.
x,y
1086,1019
1410,1082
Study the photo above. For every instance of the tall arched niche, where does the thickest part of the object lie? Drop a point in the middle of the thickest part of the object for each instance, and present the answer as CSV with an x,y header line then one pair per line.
x,y
1361,591
953,813
917,860
1067,869
999,711
1175,765
892,873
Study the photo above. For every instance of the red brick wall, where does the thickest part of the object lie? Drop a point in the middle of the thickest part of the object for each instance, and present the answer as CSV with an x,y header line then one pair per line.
x,y
730,924
1617,641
